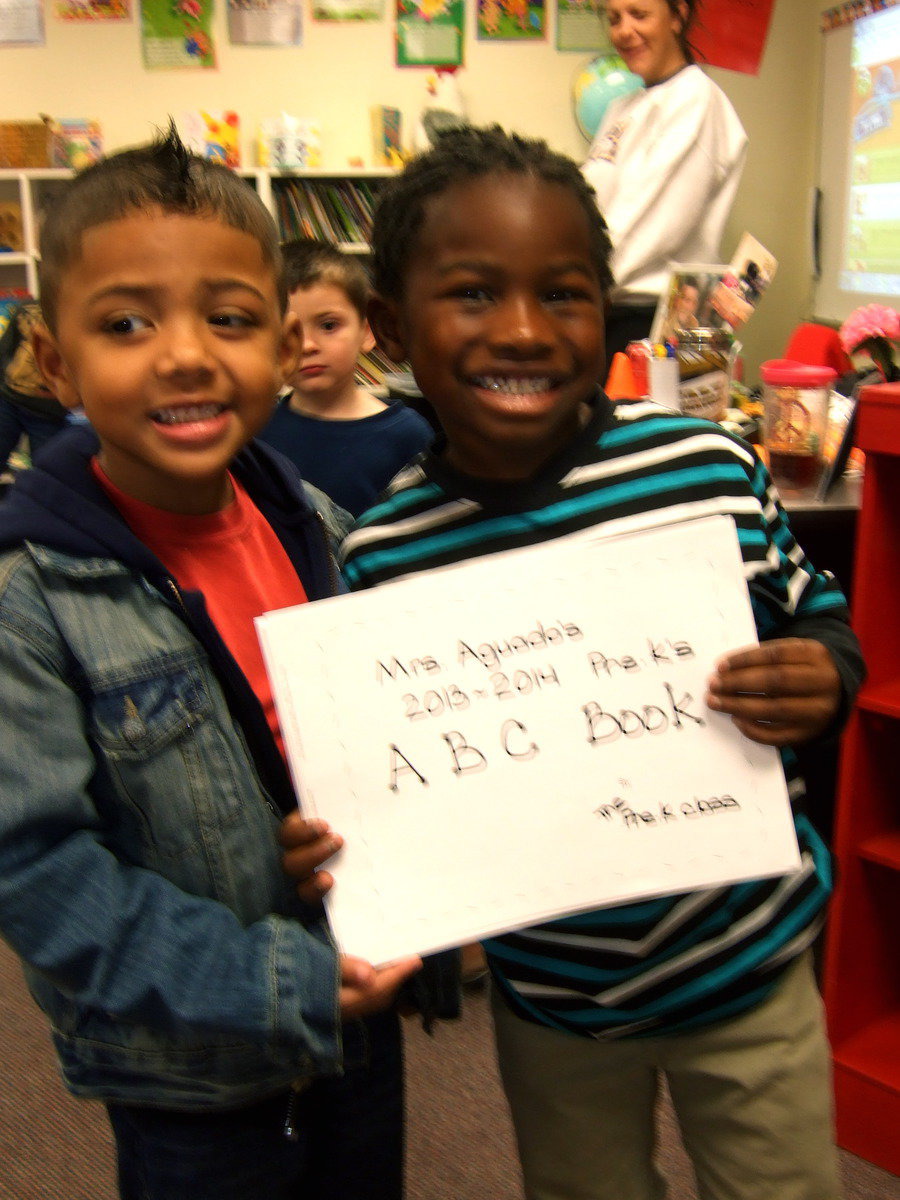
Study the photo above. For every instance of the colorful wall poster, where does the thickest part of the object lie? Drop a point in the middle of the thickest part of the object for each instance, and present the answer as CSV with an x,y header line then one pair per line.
x,y
511,20
429,33
732,34
92,10
348,10
580,25
177,34
265,22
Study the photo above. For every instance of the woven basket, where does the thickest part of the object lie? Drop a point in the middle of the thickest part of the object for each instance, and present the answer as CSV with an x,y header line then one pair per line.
x,y
24,144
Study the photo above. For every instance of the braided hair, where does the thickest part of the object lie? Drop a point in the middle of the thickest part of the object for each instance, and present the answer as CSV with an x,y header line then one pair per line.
x,y
461,155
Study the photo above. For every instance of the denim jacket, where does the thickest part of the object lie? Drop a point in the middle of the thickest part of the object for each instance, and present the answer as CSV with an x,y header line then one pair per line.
x,y
140,798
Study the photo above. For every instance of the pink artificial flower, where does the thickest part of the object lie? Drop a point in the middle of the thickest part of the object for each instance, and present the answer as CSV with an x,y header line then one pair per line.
x,y
870,321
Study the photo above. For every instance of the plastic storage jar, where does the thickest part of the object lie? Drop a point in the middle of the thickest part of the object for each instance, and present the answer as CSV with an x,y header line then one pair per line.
x,y
704,372
795,421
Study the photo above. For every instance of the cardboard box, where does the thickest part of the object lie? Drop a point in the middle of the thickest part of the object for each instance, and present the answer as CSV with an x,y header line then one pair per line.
x,y
24,144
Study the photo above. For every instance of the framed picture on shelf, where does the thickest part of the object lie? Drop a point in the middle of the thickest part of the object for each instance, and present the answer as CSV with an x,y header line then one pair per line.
x,y
685,302
839,437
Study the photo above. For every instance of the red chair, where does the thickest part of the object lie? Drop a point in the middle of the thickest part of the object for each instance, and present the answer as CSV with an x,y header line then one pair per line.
x,y
818,346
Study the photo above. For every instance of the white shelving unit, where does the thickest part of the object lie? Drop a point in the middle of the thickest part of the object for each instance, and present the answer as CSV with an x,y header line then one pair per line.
x,y
28,188
336,206
314,193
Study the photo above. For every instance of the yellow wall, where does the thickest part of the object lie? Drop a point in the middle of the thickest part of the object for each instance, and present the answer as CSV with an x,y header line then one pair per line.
x,y
97,71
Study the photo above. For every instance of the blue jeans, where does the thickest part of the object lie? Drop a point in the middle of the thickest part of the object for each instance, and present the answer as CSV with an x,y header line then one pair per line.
x,y
348,1142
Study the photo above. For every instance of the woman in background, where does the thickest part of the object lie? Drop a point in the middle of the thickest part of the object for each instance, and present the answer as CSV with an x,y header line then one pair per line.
x,y
665,163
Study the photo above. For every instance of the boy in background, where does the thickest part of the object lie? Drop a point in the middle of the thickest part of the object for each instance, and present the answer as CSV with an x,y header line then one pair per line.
x,y
343,439
142,783
491,276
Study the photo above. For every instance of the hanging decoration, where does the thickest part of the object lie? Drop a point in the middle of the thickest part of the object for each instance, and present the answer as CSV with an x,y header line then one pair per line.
x,y
732,34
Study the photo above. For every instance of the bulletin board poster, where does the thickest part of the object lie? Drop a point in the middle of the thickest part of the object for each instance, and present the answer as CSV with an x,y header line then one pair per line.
x,y
21,23
581,25
871,250
265,22
429,33
526,736
177,35
92,10
511,20
732,34
348,10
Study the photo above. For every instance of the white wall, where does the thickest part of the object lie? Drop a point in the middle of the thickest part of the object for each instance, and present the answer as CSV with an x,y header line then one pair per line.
x,y
97,71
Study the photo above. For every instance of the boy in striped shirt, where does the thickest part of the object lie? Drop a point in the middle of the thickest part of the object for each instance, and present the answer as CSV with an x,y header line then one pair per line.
x,y
491,273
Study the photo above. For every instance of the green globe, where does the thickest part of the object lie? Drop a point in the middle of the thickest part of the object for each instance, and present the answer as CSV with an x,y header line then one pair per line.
x,y
601,81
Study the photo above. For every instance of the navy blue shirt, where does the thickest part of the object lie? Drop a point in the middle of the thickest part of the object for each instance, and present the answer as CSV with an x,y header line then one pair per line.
x,y
351,461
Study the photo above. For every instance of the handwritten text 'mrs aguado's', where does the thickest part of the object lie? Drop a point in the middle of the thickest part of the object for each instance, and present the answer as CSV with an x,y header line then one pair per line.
x,y
492,655
601,726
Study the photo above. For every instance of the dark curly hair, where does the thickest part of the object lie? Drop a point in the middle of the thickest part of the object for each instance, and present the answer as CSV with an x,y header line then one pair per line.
x,y
162,174
460,155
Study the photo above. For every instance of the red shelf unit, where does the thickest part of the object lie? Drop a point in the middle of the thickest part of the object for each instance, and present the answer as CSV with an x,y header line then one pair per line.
x,y
862,964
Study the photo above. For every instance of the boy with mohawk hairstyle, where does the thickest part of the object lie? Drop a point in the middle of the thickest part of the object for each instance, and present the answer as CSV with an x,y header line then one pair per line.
x,y
491,274
143,788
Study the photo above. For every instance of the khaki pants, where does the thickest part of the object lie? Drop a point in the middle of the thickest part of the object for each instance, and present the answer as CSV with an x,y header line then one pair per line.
x,y
753,1099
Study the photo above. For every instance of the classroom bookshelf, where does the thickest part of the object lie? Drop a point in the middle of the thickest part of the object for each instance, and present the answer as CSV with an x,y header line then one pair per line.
x,y
27,190
337,208
862,964
334,206
331,205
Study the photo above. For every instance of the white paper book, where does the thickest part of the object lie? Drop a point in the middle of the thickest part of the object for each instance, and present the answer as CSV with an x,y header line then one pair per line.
x,y
525,736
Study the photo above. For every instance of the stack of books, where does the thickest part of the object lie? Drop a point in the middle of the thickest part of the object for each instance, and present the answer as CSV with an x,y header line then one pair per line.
x,y
333,210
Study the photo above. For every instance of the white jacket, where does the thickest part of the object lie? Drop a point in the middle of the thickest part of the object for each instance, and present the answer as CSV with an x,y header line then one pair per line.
x,y
665,166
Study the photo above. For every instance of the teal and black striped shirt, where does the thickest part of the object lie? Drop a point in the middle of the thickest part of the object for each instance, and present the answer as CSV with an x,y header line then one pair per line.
x,y
678,962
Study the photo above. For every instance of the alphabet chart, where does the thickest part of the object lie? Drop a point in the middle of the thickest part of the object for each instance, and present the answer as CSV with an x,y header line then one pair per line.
x,y
525,736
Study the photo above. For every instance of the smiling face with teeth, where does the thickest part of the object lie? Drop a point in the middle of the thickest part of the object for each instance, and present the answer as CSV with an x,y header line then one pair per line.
x,y
171,336
501,317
